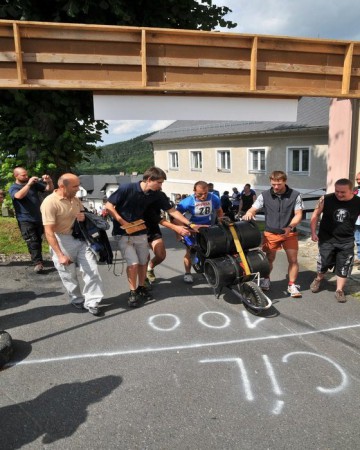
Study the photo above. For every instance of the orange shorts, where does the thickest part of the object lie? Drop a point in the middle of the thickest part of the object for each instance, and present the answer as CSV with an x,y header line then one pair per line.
x,y
272,241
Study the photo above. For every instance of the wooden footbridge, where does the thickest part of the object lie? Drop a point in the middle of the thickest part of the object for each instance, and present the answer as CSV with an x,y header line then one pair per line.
x,y
156,61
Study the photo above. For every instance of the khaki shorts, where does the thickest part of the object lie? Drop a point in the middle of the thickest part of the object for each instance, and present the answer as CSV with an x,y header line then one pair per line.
x,y
274,241
134,249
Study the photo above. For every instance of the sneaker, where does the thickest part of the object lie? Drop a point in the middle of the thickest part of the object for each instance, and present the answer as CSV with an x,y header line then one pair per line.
x,y
293,290
315,285
134,299
265,284
188,278
147,284
151,275
78,305
340,296
143,292
38,267
94,310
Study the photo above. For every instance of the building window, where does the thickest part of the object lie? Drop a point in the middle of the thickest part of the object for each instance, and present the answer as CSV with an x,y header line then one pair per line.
x,y
299,159
196,160
223,161
173,160
257,159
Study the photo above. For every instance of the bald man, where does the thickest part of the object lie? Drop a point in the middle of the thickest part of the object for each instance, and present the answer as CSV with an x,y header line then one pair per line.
x,y
25,197
59,211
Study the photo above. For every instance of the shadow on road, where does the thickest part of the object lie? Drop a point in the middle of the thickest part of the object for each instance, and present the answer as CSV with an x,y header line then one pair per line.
x,y
55,414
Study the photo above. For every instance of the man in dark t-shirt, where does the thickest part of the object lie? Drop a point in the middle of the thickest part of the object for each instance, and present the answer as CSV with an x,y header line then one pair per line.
x,y
336,235
127,205
25,196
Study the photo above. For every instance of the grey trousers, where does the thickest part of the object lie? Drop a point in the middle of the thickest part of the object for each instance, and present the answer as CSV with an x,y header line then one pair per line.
x,y
85,260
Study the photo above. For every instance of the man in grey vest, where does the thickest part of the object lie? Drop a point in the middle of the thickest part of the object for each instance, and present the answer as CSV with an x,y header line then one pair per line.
x,y
283,212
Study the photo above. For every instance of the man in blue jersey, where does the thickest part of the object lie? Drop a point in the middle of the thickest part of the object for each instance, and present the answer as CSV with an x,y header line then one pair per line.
x,y
128,205
201,205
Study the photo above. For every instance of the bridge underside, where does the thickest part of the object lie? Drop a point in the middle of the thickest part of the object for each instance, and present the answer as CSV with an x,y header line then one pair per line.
x,y
113,59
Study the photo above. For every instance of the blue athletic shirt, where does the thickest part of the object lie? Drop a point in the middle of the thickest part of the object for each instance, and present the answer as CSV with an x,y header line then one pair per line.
x,y
200,210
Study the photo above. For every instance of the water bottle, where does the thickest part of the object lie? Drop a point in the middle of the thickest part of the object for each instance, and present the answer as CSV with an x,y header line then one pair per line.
x,y
188,241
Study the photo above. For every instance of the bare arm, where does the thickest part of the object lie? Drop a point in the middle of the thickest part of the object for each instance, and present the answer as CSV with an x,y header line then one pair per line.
x,y
54,244
179,229
23,192
315,218
250,214
49,183
183,220
115,215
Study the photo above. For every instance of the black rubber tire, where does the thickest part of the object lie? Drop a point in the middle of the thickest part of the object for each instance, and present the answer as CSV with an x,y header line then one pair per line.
x,y
254,295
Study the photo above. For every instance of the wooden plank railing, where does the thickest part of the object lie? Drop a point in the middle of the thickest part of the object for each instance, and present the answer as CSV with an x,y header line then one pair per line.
x,y
39,55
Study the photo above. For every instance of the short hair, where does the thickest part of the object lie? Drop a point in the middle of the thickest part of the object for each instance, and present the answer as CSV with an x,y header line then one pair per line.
x,y
154,173
247,184
210,184
226,192
202,184
344,182
278,175
65,178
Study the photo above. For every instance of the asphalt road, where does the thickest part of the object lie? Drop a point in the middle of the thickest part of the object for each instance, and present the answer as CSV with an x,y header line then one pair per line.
x,y
185,371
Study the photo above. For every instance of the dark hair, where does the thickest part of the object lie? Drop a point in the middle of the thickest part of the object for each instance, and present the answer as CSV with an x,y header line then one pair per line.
x,y
154,173
226,193
202,184
344,182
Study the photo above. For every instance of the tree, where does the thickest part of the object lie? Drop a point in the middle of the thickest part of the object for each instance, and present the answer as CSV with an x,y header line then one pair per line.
x,y
51,131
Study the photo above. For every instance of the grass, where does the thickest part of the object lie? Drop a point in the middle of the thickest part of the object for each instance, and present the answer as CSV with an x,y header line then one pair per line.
x,y
11,241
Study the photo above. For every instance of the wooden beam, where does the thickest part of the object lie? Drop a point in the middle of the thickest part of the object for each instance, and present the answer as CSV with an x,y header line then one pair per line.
x,y
39,55
346,78
143,59
253,65
19,61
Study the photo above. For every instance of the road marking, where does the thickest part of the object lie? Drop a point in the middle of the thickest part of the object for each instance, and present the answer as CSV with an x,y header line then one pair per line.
x,y
344,379
181,347
225,324
156,327
243,373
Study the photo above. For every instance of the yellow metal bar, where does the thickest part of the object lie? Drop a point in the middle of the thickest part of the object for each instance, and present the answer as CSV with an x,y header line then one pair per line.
x,y
239,249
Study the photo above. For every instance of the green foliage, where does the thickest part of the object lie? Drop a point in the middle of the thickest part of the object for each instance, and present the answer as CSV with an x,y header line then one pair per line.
x,y
187,14
11,241
134,155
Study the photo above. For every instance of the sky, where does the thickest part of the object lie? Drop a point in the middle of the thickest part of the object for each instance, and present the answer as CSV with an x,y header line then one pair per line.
x,y
329,19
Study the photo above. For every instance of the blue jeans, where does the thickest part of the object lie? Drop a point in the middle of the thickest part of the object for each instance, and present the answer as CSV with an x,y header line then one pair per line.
x,y
357,239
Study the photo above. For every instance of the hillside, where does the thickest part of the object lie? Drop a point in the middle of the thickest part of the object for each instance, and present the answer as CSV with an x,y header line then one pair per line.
x,y
133,155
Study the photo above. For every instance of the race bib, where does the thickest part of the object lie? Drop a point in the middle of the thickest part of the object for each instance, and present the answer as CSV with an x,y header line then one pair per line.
x,y
203,208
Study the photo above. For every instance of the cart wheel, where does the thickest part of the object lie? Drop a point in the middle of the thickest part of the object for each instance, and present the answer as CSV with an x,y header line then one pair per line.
x,y
254,295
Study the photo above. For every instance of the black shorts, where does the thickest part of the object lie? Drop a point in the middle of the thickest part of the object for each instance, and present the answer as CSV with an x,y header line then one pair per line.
x,y
338,255
153,233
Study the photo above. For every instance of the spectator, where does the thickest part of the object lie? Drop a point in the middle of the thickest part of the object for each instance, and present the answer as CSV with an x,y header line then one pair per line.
x,y
357,224
201,206
126,205
335,237
177,199
25,197
226,204
212,190
59,212
2,196
248,196
283,212
235,200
